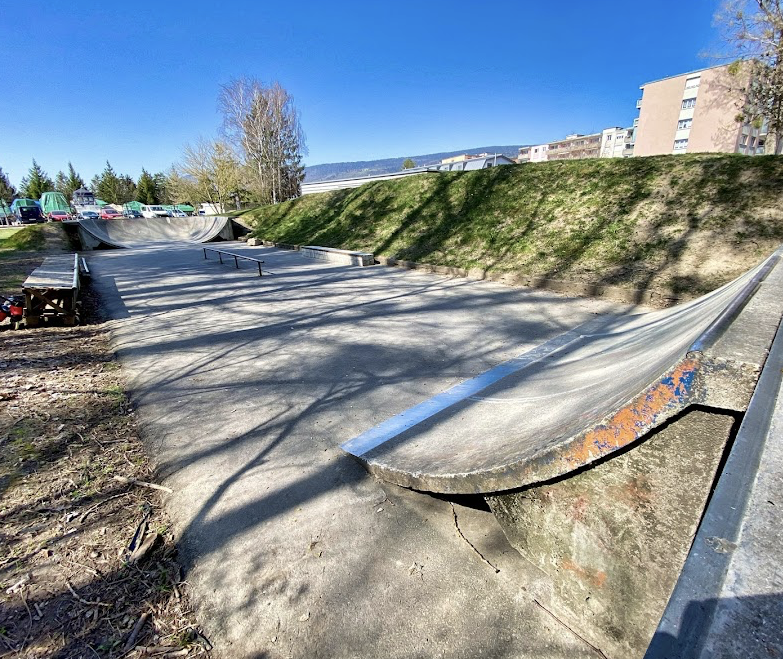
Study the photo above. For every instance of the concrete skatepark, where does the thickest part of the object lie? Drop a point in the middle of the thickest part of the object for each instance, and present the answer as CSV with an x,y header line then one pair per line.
x,y
246,387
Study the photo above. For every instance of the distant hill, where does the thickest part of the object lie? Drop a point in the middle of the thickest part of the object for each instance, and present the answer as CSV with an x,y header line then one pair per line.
x,y
335,170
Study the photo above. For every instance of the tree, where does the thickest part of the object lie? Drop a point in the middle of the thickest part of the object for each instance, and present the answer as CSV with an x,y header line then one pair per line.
x,y
262,124
211,167
408,164
36,183
112,187
146,191
68,183
7,191
754,29
162,188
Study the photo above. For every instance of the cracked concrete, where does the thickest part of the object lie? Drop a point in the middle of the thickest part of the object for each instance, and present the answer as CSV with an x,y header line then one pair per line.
x,y
245,388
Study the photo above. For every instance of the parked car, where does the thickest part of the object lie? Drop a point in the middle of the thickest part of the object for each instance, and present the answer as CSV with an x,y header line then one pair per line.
x,y
133,214
108,213
88,215
178,213
154,211
59,216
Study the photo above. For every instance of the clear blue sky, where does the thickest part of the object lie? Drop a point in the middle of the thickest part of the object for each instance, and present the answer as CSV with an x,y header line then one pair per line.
x,y
132,82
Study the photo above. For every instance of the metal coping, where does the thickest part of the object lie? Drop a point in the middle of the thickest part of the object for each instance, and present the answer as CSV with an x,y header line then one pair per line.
x,y
713,332
687,619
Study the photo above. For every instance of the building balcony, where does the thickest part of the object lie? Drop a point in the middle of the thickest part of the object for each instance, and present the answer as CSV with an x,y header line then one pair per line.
x,y
639,104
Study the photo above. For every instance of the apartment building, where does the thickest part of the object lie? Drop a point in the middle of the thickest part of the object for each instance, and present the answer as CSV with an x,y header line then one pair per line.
x,y
695,112
616,142
536,153
575,147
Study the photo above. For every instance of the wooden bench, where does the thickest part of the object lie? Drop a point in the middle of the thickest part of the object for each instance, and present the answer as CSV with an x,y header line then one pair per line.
x,y
51,291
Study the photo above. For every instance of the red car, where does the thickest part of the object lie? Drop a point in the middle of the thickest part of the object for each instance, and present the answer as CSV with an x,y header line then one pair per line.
x,y
59,216
110,214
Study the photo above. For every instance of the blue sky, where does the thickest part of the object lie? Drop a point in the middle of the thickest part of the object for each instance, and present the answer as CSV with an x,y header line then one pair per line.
x,y
132,83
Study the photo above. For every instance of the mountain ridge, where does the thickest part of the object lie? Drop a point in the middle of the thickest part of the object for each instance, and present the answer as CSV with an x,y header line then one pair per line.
x,y
336,170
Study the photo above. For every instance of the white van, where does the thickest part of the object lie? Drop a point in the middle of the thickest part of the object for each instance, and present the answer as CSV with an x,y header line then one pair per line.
x,y
154,211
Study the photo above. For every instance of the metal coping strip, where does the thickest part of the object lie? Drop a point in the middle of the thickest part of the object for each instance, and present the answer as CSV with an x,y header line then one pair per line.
x,y
708,337
688,616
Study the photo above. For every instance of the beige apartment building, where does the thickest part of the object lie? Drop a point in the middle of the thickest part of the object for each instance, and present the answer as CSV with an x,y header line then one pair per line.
x,y
695,112
615,142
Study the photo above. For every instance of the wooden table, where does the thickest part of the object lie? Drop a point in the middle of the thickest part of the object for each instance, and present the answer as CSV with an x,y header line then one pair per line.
x,y
51,290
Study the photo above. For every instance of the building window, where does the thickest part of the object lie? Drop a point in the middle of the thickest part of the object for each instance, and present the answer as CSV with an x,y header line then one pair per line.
x,y
680,144
692,82
752,142
682,124
744,140
688,103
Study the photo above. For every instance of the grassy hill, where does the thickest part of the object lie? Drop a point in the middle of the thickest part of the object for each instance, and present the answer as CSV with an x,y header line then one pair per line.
x,y
672,224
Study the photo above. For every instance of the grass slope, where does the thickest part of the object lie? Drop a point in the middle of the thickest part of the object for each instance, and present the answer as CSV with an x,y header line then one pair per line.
x,y
23,249
674,224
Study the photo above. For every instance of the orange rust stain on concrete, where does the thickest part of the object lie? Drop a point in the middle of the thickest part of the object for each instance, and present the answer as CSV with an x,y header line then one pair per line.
x,y
633,420
595,578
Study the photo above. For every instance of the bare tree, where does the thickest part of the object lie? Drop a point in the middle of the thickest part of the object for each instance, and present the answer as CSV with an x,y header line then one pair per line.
x,y
209,172
754,30
262,123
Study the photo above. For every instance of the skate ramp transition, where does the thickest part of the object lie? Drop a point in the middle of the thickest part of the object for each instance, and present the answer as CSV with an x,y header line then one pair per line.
x,y
145,231
579,397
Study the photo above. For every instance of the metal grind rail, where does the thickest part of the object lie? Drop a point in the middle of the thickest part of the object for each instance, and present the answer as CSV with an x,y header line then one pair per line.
x,y
221,253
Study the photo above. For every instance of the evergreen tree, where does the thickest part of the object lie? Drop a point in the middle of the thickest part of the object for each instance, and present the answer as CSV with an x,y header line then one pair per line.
x,y
7,191
162,188
36,182
68,183
106,185
126,189
146,191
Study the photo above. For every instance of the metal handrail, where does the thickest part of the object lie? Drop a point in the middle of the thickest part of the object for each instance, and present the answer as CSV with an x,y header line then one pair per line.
x,y
236,257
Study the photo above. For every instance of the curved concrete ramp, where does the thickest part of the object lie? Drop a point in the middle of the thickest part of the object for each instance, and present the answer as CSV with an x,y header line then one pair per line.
x,y
144,231
560,406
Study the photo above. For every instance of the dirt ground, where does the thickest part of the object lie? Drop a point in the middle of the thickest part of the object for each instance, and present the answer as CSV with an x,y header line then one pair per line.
x,y
88,564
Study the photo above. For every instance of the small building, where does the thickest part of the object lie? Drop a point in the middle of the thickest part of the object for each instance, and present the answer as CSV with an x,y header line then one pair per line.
x,y
470,163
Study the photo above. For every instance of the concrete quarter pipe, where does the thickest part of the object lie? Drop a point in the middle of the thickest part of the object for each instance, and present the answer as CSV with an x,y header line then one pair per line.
x,y
145,231
597,451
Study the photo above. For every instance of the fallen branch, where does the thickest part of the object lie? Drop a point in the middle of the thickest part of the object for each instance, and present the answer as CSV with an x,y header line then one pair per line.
x,y
100,503
81,599
133,481
131,642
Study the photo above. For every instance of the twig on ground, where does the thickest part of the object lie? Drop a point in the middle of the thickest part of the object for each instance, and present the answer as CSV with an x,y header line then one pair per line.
x,y
81,599
581,638
100,503
133,481
131,642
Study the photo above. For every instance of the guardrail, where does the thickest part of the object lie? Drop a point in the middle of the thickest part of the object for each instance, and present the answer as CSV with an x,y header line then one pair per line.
x,y
236,257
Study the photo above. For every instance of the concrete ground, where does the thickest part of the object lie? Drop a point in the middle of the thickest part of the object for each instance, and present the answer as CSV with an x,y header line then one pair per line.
x,y
245,388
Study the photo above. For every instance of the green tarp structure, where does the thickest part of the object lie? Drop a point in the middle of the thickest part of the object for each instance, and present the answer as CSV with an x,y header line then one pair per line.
x,y
54,201
133,206
186,208
101,202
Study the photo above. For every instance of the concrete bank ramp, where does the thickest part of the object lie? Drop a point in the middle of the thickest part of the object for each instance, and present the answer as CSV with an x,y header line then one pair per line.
x,y
568,402
144,231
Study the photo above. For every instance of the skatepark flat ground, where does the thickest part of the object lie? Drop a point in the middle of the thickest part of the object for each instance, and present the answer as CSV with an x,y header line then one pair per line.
x,y
245,389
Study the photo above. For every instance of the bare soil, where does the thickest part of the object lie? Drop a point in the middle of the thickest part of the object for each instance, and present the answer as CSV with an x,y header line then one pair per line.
x,y
88,564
